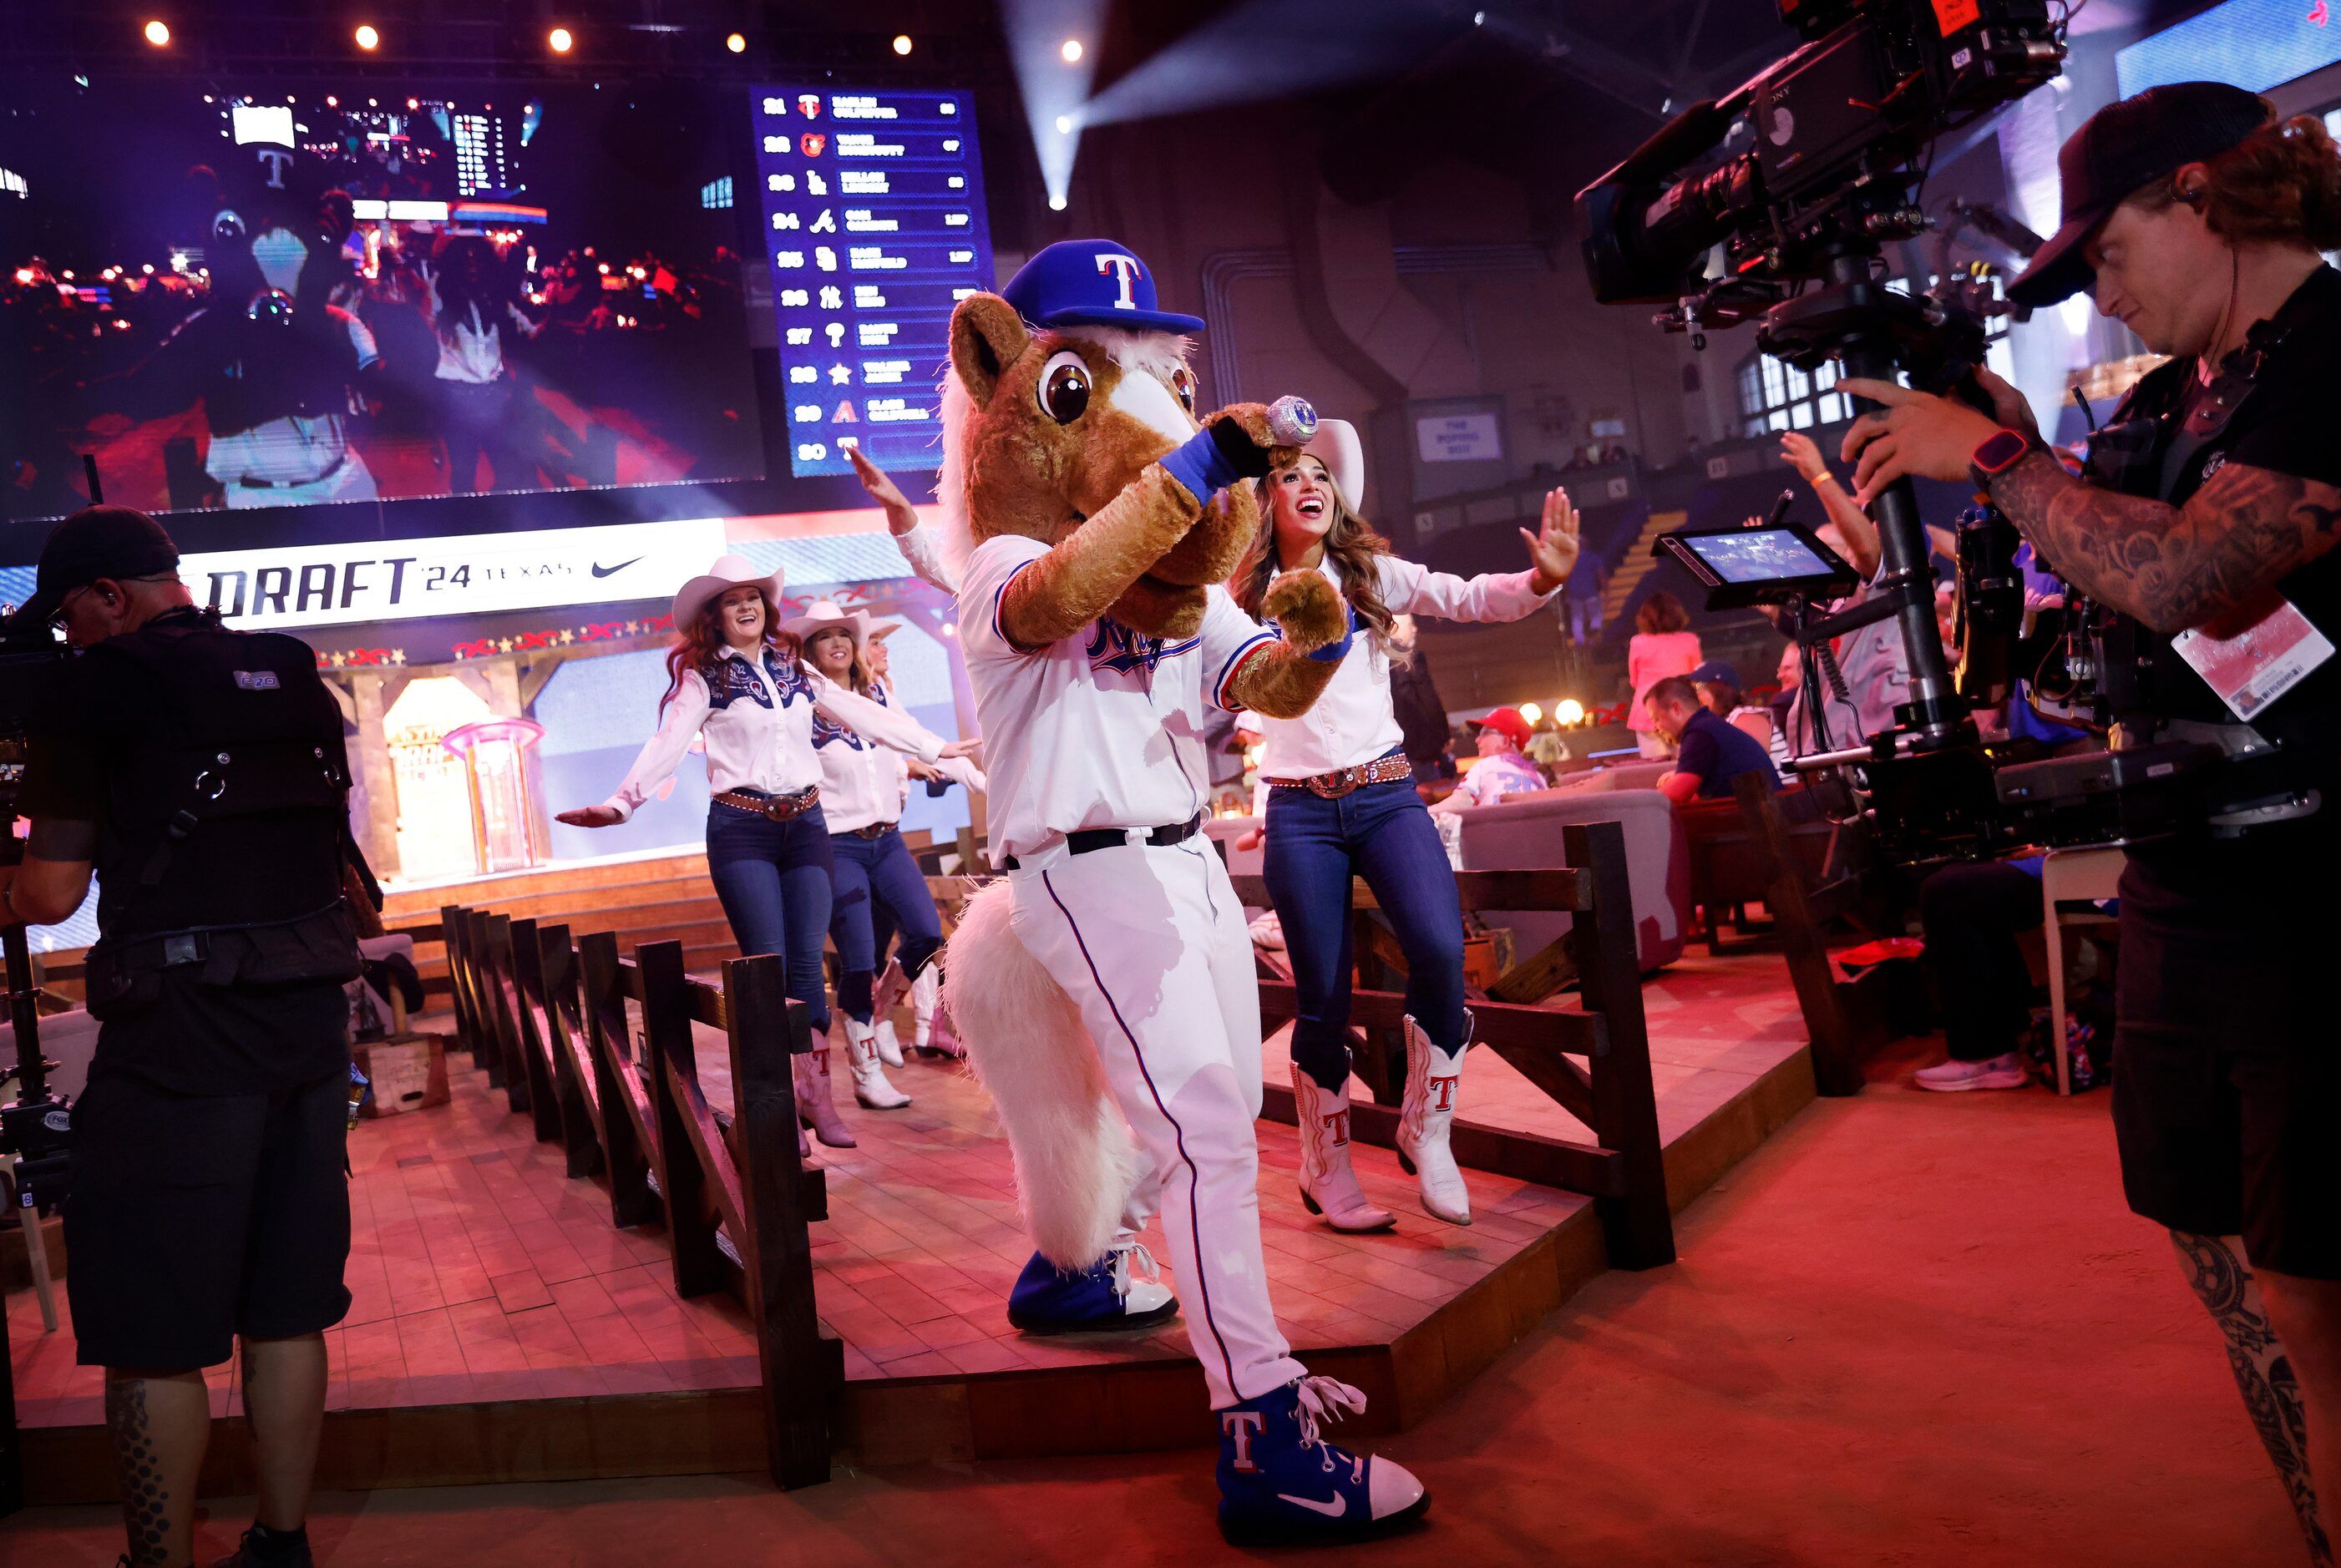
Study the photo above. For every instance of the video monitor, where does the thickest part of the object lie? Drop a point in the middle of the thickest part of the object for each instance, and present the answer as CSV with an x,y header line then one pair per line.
x,y
240,294
1759,564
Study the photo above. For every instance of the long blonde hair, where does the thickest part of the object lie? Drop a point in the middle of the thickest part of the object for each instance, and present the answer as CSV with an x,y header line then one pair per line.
x,y
1351,543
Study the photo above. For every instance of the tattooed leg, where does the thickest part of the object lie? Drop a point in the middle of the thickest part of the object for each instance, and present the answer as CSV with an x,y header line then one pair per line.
x,y
160,1422
2223,1282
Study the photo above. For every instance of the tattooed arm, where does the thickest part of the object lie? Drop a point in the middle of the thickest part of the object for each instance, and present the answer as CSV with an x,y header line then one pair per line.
x,y
2173,567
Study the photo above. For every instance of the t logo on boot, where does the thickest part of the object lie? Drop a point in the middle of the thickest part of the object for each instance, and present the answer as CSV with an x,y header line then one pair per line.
x,y
1240,1426
1442,1092
1337,1128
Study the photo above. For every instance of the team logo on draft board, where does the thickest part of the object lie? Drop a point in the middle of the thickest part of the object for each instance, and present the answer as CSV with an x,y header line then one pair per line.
x,y
813,142
1115,647
809,104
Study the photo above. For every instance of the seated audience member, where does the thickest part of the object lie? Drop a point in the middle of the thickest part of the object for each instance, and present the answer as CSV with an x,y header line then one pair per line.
x,y
1719,692
1972,914
1502,769
1710,753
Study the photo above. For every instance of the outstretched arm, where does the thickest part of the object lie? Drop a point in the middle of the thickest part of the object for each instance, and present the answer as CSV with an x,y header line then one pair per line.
x,y
912,537
887,726
1412,588
659,759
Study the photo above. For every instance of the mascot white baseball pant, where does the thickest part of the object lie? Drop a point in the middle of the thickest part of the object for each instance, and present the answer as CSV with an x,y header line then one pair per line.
x,y
1149,943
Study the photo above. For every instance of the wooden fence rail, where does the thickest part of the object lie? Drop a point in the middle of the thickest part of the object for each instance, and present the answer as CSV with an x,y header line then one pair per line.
x,y
552,1025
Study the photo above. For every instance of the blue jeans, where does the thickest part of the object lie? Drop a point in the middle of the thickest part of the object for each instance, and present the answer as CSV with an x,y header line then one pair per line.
x,y
876,883
1383,833
773,879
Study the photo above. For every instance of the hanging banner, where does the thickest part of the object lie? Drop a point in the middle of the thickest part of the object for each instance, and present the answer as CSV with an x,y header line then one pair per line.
x,y
465,574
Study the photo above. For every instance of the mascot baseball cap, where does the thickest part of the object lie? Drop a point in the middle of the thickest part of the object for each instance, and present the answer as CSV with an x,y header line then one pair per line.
x,y
2123,148
94,542
1090,283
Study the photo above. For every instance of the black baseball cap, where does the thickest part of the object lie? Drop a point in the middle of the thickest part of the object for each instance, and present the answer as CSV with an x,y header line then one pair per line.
x,y
94,542
2123,148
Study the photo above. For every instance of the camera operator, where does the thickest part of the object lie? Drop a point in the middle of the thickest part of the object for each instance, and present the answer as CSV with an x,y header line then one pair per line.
x,y
2210,507
200,772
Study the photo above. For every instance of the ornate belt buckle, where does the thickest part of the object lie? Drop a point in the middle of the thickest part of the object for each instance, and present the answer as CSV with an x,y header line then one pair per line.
x,y
1334,786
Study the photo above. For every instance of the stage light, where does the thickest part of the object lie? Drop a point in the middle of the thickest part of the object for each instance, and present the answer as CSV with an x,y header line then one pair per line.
x,y
560,40
158,34
1070,51
1064,124
23,274
414,102
1053,72
1570,710
901,43
737,42
367,38
149,269
1057,202
1532,712
331,102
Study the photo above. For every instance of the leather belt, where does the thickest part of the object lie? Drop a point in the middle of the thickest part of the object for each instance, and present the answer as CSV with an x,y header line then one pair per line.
x,y
777,807
875,830
1343,781
1088,840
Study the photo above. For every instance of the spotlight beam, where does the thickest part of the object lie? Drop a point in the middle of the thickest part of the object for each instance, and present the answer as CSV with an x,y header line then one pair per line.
x,y
1264,49
1053,88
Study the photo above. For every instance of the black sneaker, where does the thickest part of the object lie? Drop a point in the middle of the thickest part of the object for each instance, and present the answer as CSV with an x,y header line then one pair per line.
x,y
242,1557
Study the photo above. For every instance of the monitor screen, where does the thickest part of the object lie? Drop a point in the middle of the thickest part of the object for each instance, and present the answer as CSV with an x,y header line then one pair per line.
x,y
874,229
257,294
1757,555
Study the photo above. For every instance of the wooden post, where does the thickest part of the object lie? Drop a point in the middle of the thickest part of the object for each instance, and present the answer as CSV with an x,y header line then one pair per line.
x,y
603,1005
452,929
581,1139
802,1373
503,994
1836,1046
699,1263
488,1050
528,995
1639,1225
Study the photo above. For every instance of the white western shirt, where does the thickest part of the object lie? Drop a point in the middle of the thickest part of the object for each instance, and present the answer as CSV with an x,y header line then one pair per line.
x,y
863,783
1353,722
924,554
759,727
1102,729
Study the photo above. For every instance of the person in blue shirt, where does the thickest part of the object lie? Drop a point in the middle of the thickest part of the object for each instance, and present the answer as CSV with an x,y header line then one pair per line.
x,y
1710,752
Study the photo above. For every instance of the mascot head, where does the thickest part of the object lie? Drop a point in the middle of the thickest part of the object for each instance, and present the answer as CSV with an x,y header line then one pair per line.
x,y
1061,389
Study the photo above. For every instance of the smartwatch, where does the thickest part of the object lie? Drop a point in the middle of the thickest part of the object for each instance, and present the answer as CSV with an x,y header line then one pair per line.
x,y
1996,454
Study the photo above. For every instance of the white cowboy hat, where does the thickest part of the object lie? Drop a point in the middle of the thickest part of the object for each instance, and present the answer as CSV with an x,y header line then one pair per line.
x,y
730,571
823,615
884,629
1338,448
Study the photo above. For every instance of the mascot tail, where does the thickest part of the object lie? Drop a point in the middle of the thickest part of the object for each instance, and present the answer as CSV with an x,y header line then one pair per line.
x,y
1076,1162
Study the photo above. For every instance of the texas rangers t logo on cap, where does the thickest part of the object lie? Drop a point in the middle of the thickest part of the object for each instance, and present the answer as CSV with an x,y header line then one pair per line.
x,y
1125,269
1091,282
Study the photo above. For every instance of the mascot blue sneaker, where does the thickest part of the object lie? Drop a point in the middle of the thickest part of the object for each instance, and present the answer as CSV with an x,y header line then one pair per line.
x,y
1280,1483
1123,1289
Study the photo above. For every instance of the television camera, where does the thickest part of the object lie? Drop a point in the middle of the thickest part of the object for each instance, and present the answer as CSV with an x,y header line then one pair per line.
x,y
1772,204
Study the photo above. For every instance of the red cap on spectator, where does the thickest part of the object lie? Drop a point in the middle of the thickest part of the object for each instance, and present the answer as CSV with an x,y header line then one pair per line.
x,y
1510,722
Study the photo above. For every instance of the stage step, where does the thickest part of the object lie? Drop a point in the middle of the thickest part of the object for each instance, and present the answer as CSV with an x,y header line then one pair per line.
x,y
1628,574
492,892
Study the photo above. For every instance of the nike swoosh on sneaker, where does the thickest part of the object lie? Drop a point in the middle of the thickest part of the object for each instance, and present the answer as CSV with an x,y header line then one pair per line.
x,y
601,571
1332,1510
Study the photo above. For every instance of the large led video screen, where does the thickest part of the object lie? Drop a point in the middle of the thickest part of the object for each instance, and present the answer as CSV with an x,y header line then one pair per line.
x,y
257,294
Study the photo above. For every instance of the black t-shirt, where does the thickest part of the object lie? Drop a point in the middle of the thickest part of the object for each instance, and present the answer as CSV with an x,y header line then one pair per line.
x,y
104,708
1718,752
2289,423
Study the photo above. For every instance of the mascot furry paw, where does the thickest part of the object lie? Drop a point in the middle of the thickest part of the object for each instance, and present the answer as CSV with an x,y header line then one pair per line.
x,y
1104,987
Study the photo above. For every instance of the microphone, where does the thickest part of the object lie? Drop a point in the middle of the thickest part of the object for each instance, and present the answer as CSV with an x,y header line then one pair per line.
x,y
1780,509
1292,420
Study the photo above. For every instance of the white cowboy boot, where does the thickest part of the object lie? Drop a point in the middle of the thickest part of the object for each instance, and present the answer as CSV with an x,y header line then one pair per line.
x,y
870,1085
1328,1185
816,1104
925,991
882,997
1433,1080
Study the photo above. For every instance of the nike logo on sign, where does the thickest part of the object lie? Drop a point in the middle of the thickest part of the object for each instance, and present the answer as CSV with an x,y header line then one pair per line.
x,y
1332,1510
601,571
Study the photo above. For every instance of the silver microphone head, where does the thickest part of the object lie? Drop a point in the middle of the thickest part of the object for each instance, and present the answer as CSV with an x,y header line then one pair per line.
x,y
1292,420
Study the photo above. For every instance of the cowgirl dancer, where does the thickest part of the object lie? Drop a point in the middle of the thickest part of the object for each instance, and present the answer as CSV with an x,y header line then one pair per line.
x,y
735,678
861,783
1341,804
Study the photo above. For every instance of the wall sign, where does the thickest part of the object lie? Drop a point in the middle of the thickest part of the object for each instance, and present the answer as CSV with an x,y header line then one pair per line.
x,y
1459,438
467,574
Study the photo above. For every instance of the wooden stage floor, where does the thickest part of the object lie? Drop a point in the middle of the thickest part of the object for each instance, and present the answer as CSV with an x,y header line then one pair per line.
x,y
483,1276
